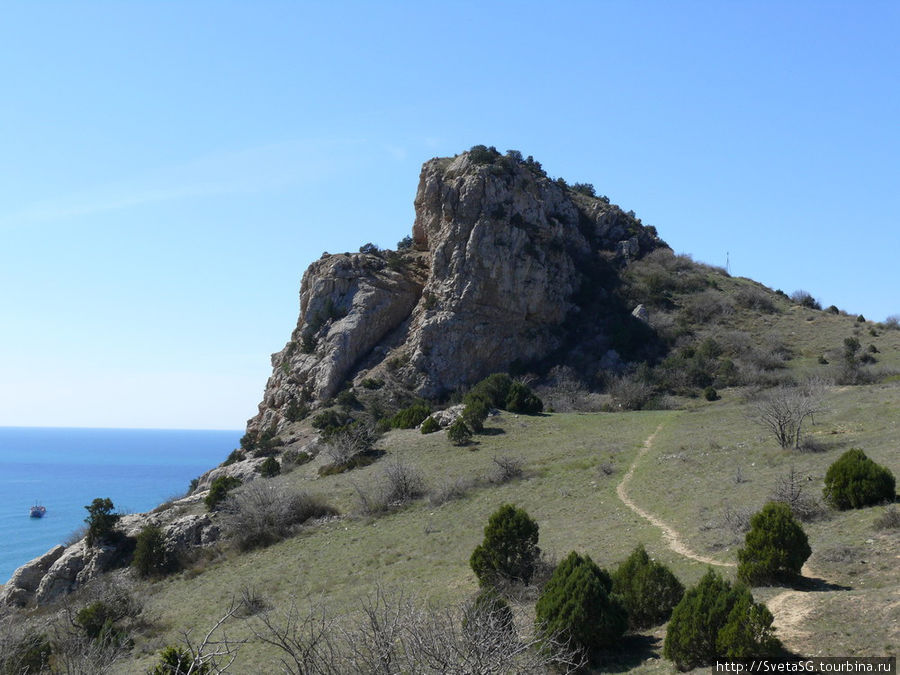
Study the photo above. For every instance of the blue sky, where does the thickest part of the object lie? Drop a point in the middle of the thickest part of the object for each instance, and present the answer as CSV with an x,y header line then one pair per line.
x,y
168,170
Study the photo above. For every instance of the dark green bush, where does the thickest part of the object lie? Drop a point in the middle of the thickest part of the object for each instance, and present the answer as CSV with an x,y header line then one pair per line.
x,y
459,433
177,661
330,421
101,521
411,417
854,481
269,468
405,243
481,154
347,399
218,490
151,558
28,654
371,383
93,618
775,548
429,426
648,589
234,456
509,550
584,188
296,457
710,394
713,621
578,606
474,414
267,442
493,390
296,411
521,399
860,319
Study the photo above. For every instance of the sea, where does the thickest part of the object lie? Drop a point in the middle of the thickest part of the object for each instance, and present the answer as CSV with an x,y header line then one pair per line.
x,y
65,469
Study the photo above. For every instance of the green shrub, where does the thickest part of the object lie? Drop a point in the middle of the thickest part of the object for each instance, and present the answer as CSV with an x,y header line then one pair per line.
x,y
151,558
578,606
411,417
775,548
371,383
648,589
509,550
521,399
30,653
101,521
296,457
177,661
218,490
233,456
481,154
474,415
713,621
860,319
269,468
493,390
330,421
430,425
94,618
347,399
296,411
459,433
854,481
710,394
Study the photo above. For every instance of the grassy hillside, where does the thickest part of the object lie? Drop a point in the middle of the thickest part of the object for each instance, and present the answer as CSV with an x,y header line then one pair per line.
x,y
687,478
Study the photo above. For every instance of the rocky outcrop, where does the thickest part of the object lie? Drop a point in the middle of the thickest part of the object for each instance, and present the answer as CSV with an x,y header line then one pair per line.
x,y
25,580
505,268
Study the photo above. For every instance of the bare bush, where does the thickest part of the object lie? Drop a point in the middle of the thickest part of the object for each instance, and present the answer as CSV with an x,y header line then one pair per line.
x,y
349,441
783,410
506,468
607,468
707,306
215,652
264,512
455,488
892,322
752,297
889,519
398,483
789,489
402,482
629,392
253,601
396,633
736,519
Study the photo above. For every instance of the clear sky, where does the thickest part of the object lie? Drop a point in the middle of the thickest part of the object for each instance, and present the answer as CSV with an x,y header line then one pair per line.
x,y
168,170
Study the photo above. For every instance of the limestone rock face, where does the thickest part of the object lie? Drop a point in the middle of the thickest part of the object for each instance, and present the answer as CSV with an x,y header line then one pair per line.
x,y
27,578
503,260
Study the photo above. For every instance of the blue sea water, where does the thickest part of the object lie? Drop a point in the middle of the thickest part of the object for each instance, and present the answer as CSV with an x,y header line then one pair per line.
x,y
65,469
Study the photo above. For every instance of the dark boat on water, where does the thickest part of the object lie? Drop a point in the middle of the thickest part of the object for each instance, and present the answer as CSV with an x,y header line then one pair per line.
x,y
38,511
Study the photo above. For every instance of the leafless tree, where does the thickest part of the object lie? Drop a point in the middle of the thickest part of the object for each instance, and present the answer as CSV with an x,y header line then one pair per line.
x,y
784,410
506,468
214,652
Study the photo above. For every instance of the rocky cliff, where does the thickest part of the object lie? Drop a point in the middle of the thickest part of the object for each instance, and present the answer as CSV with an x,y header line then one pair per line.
x,y
506,267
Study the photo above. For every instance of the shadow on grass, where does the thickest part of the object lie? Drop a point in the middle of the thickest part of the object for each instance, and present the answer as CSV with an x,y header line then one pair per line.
x,y
633,650
816,585
491,431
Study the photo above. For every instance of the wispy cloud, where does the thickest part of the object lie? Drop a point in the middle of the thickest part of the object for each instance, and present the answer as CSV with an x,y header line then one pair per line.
x,y
247,171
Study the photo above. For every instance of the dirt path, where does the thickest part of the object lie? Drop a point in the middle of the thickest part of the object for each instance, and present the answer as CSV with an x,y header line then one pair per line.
x,y
670,535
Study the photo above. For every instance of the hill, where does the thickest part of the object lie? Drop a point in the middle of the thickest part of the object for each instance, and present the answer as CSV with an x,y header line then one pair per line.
x,y
652,371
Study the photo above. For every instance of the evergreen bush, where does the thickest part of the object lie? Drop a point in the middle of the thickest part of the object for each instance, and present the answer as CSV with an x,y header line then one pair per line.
x,y
521,399
713,621
578,606
509,550
151,558
101,521
775,548
493,390
429,426
218,490
411,417
648,589
269,468
459,433
177,661
474,415
854,481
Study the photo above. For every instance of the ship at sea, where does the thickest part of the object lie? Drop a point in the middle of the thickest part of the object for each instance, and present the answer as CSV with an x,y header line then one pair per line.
x,y
38,511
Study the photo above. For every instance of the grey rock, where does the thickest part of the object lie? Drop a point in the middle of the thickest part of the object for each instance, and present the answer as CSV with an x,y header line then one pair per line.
x,y
641,314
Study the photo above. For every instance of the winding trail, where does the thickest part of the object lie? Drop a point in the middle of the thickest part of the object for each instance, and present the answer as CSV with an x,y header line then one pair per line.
x,y
790,607
670,535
